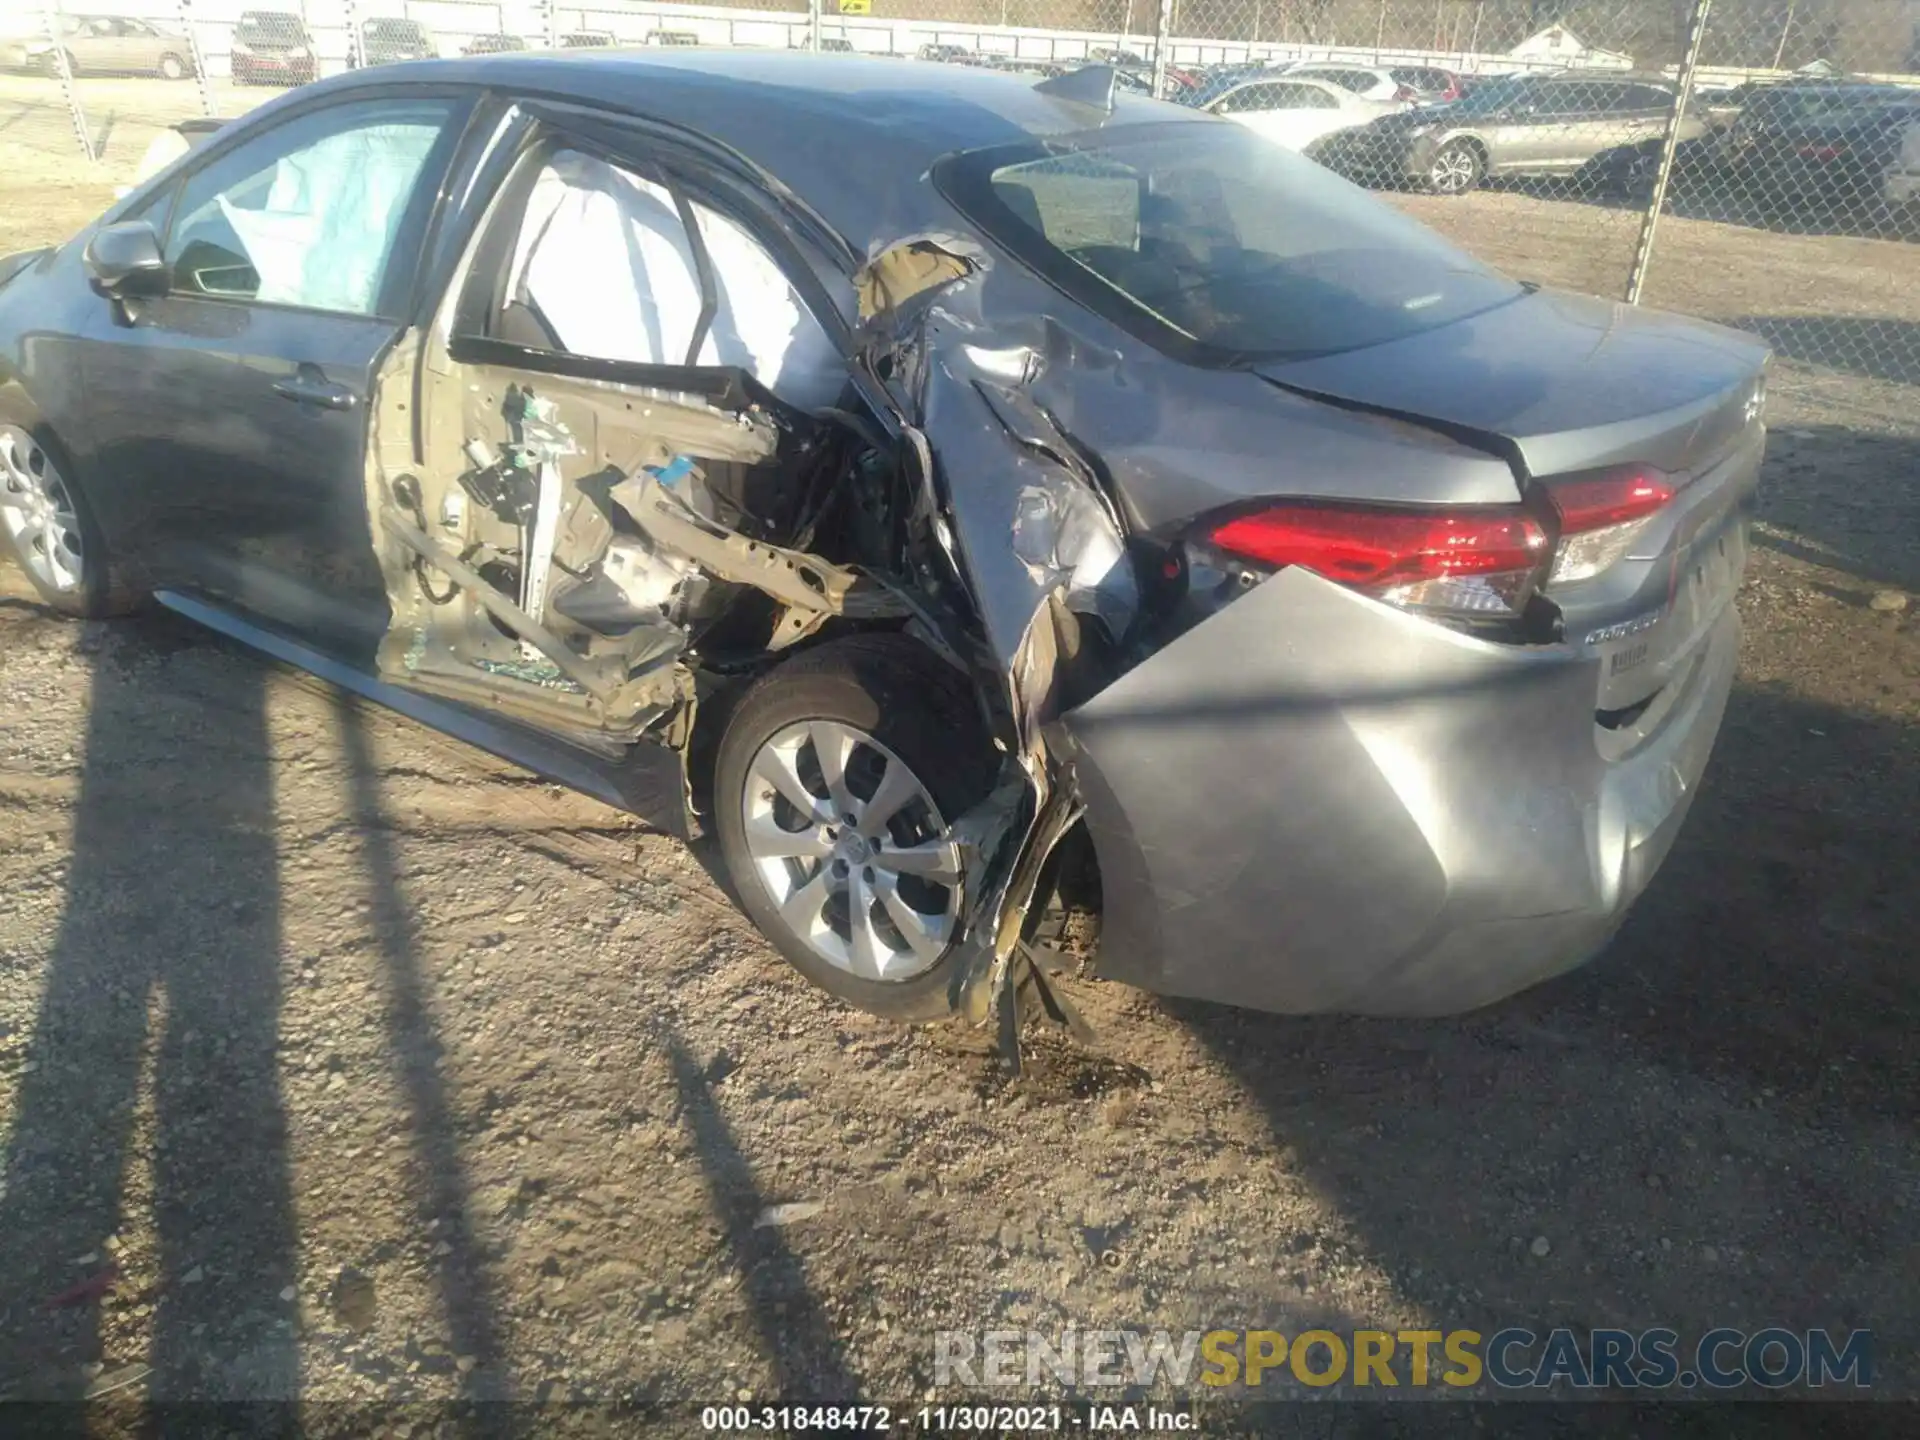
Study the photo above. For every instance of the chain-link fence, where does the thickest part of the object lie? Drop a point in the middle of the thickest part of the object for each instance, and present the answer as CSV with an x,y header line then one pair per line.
x,y
1753,161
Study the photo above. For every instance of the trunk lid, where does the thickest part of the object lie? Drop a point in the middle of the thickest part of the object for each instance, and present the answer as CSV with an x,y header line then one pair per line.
x,y
1559,383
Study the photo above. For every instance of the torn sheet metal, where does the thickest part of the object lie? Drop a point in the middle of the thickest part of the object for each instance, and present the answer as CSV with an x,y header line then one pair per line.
x,y
1042,552
656,499
901,269
517,582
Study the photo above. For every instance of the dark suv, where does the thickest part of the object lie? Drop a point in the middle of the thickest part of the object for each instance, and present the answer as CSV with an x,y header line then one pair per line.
x,y
271,47
385,40
1522,125
1824,146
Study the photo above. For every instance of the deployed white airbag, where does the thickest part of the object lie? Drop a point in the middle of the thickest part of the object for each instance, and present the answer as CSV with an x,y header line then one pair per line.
x,y
605,261
322,236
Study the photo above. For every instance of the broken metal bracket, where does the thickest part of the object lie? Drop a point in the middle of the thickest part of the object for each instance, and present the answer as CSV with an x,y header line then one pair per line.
x,y
796,579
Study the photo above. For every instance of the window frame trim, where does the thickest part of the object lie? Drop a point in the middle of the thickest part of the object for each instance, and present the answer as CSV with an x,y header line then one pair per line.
x,y
391,308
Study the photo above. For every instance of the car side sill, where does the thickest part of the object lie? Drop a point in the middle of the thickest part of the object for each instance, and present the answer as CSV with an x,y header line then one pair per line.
x,y
648,784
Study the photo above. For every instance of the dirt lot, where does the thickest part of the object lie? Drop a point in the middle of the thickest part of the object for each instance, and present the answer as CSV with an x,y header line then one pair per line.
x,y
336,1058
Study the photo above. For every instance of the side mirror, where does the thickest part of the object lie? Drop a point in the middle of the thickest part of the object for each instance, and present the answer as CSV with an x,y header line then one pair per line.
x,y
125,261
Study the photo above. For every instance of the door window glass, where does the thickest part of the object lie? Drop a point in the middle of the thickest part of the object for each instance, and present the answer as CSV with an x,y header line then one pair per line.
x,y
306,214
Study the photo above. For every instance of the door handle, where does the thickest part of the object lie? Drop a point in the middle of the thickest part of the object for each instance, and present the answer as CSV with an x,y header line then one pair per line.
x,y
310,387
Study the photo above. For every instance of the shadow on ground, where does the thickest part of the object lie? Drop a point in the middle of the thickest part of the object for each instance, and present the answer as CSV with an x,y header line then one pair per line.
x,y
1845,499
1744,1049
152,987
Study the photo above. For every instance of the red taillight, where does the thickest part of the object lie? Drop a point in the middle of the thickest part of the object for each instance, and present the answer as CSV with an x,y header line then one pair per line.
x,y
1479,560
1406,92
1612,500
1601,517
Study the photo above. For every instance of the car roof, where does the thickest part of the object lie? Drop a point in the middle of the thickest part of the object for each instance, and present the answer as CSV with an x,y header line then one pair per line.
x,y
799,115
1622,77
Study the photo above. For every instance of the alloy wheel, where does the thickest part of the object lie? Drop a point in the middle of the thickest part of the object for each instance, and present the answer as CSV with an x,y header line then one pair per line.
x,y
38,511
852,850
1453,171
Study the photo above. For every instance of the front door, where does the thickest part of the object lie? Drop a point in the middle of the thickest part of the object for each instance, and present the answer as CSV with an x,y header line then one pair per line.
x,y
236,407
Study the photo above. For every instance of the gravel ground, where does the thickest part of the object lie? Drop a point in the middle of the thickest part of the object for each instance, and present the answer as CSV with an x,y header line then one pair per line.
x,y
337,1059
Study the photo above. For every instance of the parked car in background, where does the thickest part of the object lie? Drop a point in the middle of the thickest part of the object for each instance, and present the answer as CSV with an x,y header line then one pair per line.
x,y
586,40
271,47
1215,80
103,45
169,145
498,44
1346,622
1822,147
1369,82
385,40
836,45
1610,124
946,54
1429,85
673,38
1294,110
1903,174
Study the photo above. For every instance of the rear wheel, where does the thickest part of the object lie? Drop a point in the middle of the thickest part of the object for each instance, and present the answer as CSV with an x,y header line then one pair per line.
x,y
172,67
1456,168
837,783
49,529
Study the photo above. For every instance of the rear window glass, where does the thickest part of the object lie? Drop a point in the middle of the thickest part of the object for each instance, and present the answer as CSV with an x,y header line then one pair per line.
x,y
1216,245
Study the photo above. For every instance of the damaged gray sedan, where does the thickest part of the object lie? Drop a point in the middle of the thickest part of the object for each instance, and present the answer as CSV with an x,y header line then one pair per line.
x,y
969,500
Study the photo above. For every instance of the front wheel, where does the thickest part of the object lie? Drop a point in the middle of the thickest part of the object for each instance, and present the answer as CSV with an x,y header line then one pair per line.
x,y
835,790
50,531
172,67
1456,168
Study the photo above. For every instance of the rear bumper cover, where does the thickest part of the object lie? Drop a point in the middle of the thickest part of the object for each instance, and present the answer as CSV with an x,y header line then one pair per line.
x,y
1313,802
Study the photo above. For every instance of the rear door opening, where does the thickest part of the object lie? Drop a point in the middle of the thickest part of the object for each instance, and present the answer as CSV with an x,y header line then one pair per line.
x,y
613,461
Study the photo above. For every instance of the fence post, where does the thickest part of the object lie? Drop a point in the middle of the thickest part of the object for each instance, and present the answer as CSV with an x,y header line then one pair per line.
x,y
813,25
1683,92
1162,37
50,17
355,57
197,56
551,11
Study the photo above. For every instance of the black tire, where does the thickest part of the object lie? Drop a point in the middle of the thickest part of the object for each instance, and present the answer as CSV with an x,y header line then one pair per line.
x,y
106,590
172,67
1456,168
917,706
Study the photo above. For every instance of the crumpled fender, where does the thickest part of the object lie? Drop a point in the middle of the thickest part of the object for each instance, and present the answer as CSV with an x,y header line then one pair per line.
x,y
1035,538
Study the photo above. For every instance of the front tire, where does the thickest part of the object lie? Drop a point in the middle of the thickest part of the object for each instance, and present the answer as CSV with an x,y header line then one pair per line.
x,y
49,529
1457,167
836,783
172,67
